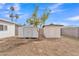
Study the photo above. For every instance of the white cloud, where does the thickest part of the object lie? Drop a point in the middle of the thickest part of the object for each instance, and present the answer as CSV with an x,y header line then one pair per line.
x,y
24,16
61,23
7,15
74,18
17,6
55,8
4,12
2,5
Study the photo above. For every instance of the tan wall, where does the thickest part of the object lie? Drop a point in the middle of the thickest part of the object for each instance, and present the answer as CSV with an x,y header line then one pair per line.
x,y
52,32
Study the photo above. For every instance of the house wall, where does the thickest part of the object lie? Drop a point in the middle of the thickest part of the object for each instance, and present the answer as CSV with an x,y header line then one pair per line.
x,y
16,30
72,32
9,32
52,31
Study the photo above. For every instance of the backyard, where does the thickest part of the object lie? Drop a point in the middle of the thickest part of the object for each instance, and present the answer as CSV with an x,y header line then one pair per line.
x,y
65,46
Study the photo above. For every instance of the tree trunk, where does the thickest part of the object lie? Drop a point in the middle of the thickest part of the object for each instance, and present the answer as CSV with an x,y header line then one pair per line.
x,y
40,34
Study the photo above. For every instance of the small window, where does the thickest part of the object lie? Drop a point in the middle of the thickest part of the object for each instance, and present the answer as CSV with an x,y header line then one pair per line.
x,y
5,27
1,27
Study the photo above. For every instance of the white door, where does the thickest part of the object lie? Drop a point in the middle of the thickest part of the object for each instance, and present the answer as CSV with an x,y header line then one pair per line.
x,y
28,32
52,32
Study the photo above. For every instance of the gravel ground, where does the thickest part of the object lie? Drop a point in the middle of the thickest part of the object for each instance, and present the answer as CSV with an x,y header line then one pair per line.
x,y
47,47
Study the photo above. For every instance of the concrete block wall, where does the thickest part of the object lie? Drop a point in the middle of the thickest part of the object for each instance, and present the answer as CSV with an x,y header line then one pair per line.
x,y
72,32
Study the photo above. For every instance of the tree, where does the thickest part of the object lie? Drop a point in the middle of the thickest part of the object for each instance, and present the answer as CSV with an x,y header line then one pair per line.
x,y
12,14
30,21
36,21
45,16
16,16
12,8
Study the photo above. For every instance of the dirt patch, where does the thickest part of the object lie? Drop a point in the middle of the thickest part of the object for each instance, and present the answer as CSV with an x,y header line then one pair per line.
x,y
47,47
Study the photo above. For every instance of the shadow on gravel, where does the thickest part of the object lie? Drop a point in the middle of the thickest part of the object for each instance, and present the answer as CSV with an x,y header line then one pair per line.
x,y
8,46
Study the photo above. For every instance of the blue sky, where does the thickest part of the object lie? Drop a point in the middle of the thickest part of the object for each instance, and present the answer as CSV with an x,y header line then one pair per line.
x,y
62,13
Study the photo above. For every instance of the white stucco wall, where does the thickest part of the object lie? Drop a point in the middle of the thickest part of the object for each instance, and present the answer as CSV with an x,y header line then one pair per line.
x,y
52,32
9,32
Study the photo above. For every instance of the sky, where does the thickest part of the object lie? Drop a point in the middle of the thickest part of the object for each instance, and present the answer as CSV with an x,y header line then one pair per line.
x,y
61,13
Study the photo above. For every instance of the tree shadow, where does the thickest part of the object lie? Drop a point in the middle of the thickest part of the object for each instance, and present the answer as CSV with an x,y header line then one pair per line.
x,y
13,46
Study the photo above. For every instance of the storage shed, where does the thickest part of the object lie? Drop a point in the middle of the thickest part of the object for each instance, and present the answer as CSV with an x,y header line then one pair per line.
x,y
52,31
27,32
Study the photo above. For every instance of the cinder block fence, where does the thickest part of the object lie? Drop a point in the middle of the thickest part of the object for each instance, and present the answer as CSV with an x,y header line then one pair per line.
x,y
70,31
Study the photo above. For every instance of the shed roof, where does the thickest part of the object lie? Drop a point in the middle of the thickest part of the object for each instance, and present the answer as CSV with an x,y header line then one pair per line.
x,y
53,25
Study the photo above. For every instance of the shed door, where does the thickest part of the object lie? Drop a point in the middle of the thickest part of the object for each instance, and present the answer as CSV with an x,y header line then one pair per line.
x,y
52,32
28,32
